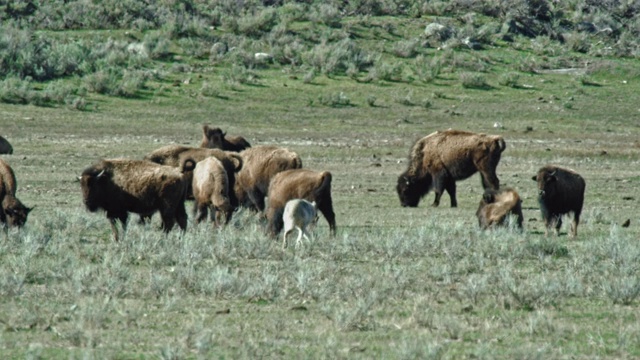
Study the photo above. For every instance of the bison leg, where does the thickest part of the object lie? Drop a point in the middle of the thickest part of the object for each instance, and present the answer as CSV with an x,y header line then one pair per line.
x,y
555,222
200,211
574,224
450,186
275,222
326,208
168,219
257,198
181,217
440,183
489,179
113,218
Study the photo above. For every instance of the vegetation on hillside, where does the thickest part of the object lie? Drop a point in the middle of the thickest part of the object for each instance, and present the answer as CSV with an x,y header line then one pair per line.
x,y
56,52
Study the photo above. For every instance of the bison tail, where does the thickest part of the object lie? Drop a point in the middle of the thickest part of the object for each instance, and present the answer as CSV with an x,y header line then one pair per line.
x,y
325,184
237,161
187,165
501,144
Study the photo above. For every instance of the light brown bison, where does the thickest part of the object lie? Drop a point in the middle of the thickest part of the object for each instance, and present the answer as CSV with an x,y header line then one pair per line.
x,y
215,138
560,191
440,159
211,190
497,205
120,186
299,184
261,163
176,155
13,213
5,147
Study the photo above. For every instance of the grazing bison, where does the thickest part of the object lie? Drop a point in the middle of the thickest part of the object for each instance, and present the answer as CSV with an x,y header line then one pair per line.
x,y
211,190
12,212
497,205
176,155
5,147
214,138
261,163
560,191
440,159
299,184
120,186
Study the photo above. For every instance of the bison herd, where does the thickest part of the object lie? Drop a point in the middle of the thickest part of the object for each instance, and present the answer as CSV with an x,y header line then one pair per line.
x,y
439,159
227,173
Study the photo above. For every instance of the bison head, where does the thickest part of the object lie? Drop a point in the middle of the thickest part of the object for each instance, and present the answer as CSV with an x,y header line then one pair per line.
x,y
545,180
93,182
411,189
15,211
213,138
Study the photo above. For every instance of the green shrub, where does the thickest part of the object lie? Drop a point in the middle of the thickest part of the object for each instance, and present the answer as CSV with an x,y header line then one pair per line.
x,y
335,100
474,81
509,79
254,25
406,48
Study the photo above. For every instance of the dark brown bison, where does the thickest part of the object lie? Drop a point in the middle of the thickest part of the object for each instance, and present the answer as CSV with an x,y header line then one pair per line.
x,y
215,138
261,163
299,184
120,186
440,159
497,205
211,191
176,155
560,191
5,147
13,213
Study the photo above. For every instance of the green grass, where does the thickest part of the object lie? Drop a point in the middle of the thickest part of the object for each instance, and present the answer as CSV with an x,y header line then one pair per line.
x,y
394,282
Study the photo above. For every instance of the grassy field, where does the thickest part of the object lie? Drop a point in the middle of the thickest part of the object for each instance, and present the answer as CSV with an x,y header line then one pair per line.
x,y
421,283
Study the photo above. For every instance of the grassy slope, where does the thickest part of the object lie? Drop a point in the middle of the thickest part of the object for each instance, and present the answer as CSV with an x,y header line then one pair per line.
x,y
394,283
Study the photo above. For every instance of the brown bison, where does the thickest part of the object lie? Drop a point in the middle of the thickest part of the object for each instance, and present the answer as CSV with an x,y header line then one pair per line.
x,y
440,159
261,163
211,190
5,147
176,155
120,186
299,184
214,138
497,205
560,191
12,212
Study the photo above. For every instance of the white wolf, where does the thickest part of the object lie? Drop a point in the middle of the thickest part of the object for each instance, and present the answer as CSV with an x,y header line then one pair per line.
x,y
298,214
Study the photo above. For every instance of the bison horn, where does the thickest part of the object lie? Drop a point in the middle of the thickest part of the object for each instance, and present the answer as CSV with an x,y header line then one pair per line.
x,y
101,174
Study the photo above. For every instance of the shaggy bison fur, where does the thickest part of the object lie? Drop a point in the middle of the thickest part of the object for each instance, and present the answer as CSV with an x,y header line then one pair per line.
x,y
261,163
120,186
13,213
440,159
560,191
215,138
5,147
211,190
176,155
497,205
299,184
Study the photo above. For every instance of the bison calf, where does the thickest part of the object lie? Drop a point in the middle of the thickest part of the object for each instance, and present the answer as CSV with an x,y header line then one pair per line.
x,y
440,159
211,191
298,214
215,138
497,205
13,213
120,186
299,184
560,191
